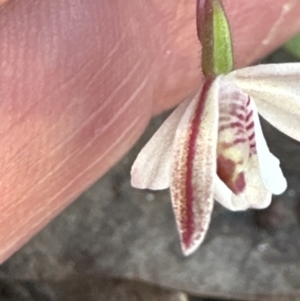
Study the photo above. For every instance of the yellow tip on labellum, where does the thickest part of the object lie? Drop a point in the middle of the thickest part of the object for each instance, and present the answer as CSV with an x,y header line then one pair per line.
x,y
214,35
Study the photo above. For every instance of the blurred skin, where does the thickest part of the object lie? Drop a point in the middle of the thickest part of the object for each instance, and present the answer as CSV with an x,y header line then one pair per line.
x,y
80,80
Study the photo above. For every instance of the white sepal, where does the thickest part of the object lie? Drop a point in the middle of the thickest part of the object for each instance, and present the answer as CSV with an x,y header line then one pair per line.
x,y
194,168
275,88
151,169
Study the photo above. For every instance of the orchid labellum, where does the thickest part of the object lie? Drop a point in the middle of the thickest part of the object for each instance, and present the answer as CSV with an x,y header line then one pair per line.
x,y
212,146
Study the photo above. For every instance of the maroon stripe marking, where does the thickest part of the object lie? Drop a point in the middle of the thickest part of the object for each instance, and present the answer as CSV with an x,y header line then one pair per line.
x,y
226,145
189,227
239,140
250,126
240,132
251,137
236,111
239,116
249,115
231,125
237,107
248,101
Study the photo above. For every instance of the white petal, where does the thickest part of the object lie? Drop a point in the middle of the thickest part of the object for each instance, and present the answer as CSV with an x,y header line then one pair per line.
x,y
194,167
275,89
151,168
270,171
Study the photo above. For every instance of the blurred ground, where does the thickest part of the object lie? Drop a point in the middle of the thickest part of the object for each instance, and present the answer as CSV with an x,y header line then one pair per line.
x,y
115,232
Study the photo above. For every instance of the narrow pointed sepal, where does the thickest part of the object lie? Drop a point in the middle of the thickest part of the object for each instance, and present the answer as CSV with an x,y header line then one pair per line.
x,y
194,167
151,169
214,34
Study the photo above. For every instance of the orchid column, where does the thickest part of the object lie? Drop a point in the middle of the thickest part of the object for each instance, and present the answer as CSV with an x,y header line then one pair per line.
x,y
212,147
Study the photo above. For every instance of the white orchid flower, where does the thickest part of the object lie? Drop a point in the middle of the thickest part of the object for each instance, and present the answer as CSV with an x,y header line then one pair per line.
x,y
212,147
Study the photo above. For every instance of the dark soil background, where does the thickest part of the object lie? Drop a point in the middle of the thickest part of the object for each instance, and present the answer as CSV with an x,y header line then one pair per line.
x,y
118,243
